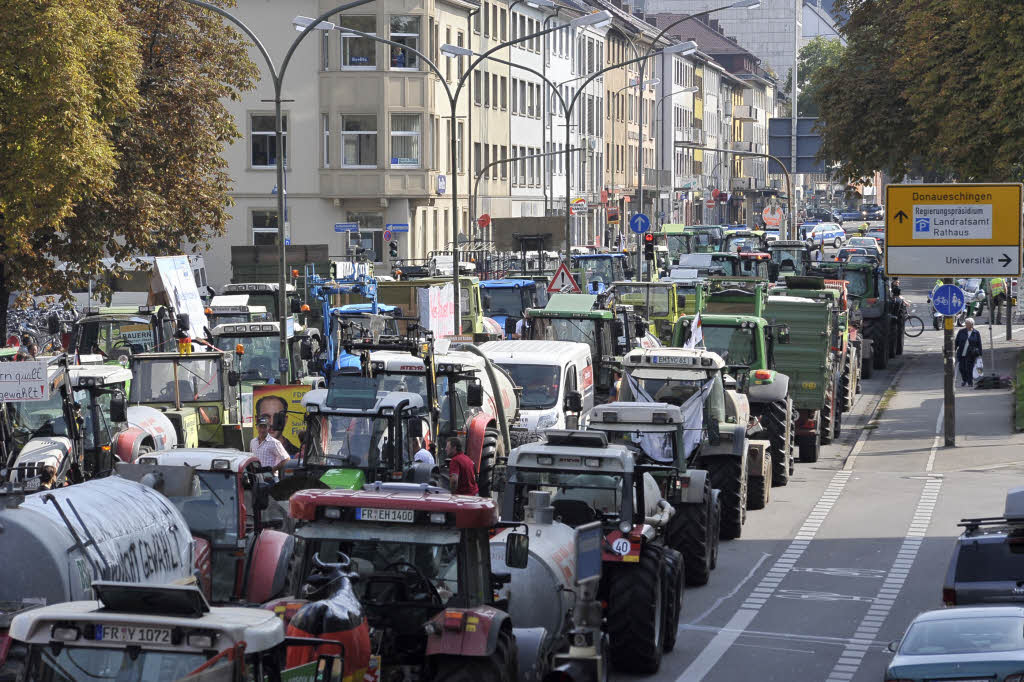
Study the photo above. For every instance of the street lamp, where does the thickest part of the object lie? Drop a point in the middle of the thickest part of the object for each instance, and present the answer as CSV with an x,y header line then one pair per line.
x,y
277,77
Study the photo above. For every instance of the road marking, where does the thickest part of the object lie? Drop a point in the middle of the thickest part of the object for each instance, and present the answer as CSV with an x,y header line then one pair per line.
x,y
935,441
844,572
852,656
792,636
730,595
862,439
724,638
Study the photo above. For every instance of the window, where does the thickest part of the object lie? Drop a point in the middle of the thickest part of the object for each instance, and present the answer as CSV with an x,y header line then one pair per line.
x,y
486,10
405,30
504,164
370,235
405,140
356,51
325,48
522,98
515,26
462,130
522,165
359,141
476,29
487,162
533,100
476,155
504,21
487,90
515,95
448,62
325,125
264,227
522,28
494,90
494,160
476,86
504,93
264,140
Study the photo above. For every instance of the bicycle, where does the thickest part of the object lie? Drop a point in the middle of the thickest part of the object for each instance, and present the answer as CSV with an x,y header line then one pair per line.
x,y
913,326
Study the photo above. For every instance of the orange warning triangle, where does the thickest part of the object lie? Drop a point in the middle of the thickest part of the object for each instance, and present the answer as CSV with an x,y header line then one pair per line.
x,y
563,282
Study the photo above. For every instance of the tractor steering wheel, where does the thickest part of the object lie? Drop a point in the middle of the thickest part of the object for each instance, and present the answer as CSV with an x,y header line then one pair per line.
x,y
435,595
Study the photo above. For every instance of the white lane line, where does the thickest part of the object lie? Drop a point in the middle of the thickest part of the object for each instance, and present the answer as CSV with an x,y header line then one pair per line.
x,y
859,445
724,638
851,658
730,595
935,441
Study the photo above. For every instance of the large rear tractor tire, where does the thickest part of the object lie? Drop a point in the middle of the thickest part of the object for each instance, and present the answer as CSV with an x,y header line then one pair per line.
x,y
775,417
691,532
635,614
716,524
500,666
728,473
674,579
825,427
880,345
759,490
488,461
867,364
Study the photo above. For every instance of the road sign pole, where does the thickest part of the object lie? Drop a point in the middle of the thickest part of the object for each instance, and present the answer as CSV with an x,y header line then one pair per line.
x,y
1009,310
948,408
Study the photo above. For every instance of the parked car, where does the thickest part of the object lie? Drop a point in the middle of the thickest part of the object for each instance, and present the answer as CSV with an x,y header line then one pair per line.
x,y
869,244
980,643
988,561
847,251
872,212
827,233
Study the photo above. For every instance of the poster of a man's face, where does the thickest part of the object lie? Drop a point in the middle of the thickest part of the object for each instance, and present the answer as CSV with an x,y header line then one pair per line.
x,y
282,406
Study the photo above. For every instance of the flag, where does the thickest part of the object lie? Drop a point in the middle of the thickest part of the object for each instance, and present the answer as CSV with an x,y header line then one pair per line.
x,y
657,446
696,333
693,418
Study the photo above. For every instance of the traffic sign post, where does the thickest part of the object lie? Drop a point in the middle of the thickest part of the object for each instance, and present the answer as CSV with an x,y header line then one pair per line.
x,y
710,203
954,230
563,282
639,223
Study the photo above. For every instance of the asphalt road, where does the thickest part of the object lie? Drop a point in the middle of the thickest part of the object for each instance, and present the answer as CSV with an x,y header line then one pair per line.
x,y
857,544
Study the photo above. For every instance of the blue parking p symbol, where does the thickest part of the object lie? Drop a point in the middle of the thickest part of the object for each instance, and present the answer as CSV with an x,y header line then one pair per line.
x,y
922,225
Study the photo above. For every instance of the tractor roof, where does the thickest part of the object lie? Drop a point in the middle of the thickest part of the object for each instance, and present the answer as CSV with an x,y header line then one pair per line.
x,y
253,287
575,305
98,375
585,451
202,459
467,511
693,358
507,283
631,416
317,399
528,351
262,328
787,244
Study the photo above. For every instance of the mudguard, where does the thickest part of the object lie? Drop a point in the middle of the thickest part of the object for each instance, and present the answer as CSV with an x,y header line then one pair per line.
x,y
533,645
693,490
268,566
470,632
774,389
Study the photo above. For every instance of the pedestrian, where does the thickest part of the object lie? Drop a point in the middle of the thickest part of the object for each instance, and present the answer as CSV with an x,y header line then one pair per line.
x,y
968,350
461,472
268,449
420,453
896,287
521,327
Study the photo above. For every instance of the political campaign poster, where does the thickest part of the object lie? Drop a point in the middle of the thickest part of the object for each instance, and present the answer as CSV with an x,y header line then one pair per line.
x,y
282,405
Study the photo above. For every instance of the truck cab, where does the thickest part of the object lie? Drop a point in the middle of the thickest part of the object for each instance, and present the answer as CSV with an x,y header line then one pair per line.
x,y
598,270
506,300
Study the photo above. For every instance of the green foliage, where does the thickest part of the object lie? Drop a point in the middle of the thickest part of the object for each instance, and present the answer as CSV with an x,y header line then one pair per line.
x,y
814,56
927,87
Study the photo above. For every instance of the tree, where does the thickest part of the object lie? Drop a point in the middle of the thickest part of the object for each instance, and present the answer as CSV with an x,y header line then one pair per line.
x,y
814,56
67,77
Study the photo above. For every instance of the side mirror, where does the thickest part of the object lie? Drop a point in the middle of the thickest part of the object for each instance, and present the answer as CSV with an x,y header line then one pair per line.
x,y
295,305
306,349
573,402
118,408
517,550
52,324
784,334
261,496
183,322
475,395
892,646
233,377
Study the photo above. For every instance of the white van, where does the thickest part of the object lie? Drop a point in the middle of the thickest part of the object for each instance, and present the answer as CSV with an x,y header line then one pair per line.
x,y
548,372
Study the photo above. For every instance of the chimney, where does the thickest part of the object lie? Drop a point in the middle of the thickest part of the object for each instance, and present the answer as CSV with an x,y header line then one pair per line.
x,y
715,26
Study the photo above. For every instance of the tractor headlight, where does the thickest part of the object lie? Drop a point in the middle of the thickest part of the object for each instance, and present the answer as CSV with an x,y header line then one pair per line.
x,y
625,526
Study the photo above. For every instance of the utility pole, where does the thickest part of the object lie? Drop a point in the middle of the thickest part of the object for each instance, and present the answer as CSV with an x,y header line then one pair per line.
x,y
948,405
794,93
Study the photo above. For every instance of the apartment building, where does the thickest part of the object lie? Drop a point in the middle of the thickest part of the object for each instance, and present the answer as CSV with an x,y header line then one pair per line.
x,y
678,122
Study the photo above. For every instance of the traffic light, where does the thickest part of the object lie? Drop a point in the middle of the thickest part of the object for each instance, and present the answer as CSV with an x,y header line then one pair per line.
x,y
648,246
393,249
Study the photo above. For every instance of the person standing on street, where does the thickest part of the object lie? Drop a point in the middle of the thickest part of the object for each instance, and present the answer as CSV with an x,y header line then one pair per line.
x,y
268,449
461,472
968,349
420,453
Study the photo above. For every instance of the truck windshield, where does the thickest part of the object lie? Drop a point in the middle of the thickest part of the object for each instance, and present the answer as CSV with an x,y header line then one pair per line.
x,y
650,300
198,380
566,329
260,359
78,663
95,433
505,301
378,562
540,384
734,344
349,441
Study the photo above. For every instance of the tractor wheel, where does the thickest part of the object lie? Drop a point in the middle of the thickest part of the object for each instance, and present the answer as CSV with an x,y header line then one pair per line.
x,y
894,332
500,666
867,365
774,418
902,333
728,473
759,488
691,532
489,452
810,447
517,438
879,344
635,614
716,524
674,579
825,425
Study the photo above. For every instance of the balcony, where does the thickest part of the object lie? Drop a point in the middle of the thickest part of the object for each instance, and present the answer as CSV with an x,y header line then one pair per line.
x,y
744,113
746,146
690,134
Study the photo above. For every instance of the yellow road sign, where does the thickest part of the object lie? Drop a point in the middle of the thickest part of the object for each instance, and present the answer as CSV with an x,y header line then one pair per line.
x,y
953,230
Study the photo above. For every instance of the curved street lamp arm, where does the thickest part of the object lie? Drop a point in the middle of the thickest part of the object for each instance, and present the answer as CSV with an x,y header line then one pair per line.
x,y
561,99
432,65
313,27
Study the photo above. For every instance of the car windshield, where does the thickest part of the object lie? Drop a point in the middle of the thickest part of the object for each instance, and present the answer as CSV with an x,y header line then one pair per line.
x,y
565,329
990,562
863,241
540,384
97,431
196,378
380,561
652,301
349,441
503,301
74,663
963,636
605,270
259,360
734,344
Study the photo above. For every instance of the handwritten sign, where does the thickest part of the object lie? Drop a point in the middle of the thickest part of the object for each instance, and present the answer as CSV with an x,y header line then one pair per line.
x,y
24,381
437,309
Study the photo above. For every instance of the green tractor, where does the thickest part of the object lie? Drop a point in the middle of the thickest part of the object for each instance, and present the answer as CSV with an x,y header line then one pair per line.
x,y
658,302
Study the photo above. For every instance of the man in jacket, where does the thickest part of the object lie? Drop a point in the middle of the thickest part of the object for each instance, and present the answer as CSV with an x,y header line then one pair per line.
x,y
968,349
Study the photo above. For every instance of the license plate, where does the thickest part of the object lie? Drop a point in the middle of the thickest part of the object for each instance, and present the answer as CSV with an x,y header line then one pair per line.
x,y
386,515
129,633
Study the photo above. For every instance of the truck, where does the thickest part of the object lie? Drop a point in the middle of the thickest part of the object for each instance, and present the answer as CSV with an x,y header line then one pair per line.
x,y
136,631
57,543
734,327
198,392
471,308
582,318
677,375
593,481
422,560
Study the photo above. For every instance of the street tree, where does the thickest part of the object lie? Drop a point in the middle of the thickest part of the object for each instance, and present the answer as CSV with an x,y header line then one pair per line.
x,y
814,56
68,73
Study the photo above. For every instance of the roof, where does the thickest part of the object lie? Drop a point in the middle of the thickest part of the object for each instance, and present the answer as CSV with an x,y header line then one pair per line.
x,y
626,415
571,303
536,351
506,283
469,511
102,374
200,458
260,629
972,612
695,358
236,328
384,400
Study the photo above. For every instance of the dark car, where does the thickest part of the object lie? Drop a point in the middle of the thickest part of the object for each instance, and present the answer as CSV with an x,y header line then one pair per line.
x,y
851,213
872,212
879,234
987,566
847,251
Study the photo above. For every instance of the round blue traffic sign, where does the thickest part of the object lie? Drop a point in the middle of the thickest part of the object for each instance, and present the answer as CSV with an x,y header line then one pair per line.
x,y
948,299
640,223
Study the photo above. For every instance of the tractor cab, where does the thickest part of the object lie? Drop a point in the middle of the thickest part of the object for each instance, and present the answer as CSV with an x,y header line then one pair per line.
x,y
658,302
789,258
111,335
266,295
506,300
598,270
234,309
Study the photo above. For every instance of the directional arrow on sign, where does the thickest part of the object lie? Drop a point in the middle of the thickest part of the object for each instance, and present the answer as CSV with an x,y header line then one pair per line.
x,y
1005,260
901,216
